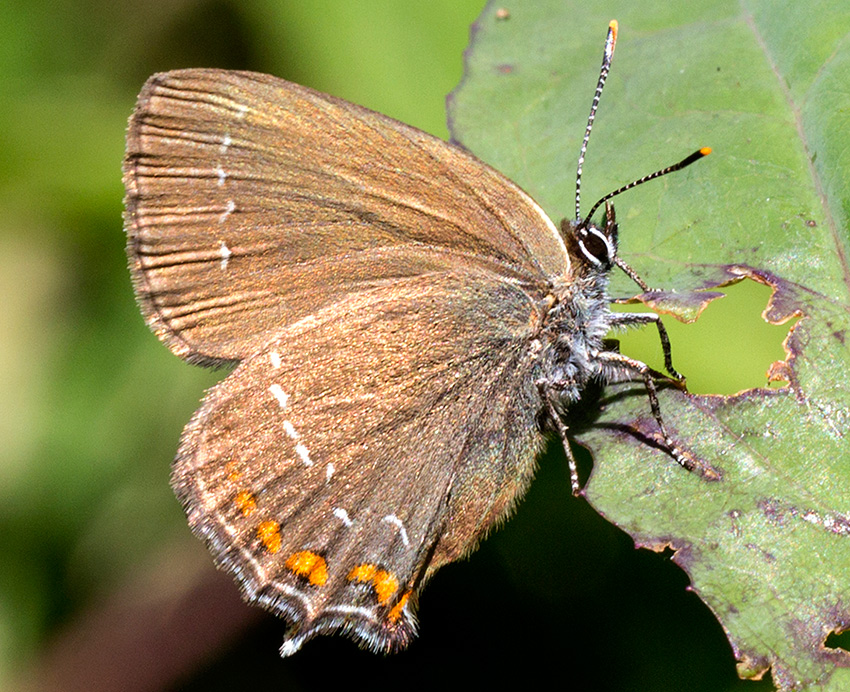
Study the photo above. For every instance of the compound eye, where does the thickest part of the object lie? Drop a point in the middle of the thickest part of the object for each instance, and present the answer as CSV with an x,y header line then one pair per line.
x,y
596,247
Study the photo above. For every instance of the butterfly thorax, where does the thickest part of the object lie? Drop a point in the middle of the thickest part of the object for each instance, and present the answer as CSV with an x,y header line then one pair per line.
x,y
579,318
573,332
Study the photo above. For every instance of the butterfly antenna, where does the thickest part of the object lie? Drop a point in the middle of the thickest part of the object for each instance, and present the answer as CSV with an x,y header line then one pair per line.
x,y
687,161
610,42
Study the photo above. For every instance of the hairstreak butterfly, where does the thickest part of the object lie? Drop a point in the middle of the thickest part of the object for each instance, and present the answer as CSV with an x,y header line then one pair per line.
x,y
405,322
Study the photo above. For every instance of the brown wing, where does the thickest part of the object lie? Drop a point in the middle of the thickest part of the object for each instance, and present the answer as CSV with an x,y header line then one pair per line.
x,y
253,203
365,446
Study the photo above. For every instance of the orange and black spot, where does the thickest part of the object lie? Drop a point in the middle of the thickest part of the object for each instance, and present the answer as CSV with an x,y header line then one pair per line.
x,y
394,614
233,472
245,503
309,565
384,583
269,534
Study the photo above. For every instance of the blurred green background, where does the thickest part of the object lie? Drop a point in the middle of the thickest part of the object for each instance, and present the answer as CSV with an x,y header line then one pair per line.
x,y
101,584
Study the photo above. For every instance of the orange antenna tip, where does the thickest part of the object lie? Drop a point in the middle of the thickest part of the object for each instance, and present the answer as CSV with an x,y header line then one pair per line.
x,y
705,151
612,35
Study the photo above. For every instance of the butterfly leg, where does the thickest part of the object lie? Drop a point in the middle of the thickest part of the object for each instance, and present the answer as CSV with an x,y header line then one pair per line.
x,y
617,361
629,319
547,393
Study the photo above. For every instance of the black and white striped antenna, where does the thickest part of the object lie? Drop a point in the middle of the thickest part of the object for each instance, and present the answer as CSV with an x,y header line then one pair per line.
x,y
607,55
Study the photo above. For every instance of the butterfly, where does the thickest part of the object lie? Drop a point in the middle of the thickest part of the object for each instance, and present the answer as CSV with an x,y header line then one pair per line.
x,y
406,325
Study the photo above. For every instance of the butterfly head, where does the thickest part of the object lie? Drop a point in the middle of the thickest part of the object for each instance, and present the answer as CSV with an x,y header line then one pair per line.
x,y
592,248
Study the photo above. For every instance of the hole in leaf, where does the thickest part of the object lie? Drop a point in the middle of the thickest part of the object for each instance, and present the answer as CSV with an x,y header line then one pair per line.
x,y
838,640
727,350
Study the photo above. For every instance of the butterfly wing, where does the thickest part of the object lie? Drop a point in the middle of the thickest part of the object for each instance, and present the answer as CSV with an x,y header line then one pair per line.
x,y
363,447
253,203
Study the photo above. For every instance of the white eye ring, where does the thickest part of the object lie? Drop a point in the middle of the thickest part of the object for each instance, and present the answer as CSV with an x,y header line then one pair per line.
x,y
609,247
588,255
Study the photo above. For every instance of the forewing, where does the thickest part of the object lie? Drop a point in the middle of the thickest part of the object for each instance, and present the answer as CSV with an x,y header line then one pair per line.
x,y
363,447
253,202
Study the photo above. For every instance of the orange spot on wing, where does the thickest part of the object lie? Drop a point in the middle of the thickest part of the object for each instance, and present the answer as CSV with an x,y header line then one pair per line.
x,y
384,583
269,533
363,572
245,503
309,564
385,586
394,615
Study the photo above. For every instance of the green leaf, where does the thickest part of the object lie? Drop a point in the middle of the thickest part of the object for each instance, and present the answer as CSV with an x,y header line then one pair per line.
x,y
767,547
